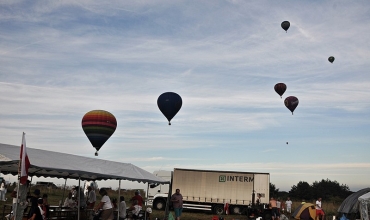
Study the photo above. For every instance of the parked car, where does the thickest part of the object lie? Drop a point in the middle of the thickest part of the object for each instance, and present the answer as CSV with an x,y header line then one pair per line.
x,y
46,184
106,188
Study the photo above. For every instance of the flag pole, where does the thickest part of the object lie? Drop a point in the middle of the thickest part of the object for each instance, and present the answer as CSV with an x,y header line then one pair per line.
x,y
19,179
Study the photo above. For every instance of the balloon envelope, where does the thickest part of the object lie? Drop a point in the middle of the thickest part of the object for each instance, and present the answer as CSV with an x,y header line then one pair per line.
x,y
98,126
291,103
169,103
285,25
331,59
280,88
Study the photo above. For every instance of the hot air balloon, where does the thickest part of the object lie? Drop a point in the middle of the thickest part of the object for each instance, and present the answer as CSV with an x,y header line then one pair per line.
x,y
169,103
280,88
98,126
291,103
285,25
331,59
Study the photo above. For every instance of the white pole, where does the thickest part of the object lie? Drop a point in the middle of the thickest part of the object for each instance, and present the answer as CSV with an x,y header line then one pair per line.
x,y
119,197
18,193
19,180
147,198
79,198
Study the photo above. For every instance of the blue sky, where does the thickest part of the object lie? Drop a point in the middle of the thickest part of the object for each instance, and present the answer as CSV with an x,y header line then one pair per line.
x,y
61,59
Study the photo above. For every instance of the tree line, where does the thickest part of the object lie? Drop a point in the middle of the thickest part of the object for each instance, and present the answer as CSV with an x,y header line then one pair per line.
x,y
326,189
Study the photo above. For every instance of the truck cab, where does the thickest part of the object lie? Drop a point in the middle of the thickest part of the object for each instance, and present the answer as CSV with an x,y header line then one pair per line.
x,y
157,192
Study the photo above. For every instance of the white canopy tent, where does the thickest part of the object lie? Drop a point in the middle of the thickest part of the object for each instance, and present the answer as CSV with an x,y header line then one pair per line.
x,y
61,165
364,201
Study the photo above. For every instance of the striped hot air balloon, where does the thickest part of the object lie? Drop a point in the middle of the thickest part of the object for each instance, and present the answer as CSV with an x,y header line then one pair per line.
x,y
98,126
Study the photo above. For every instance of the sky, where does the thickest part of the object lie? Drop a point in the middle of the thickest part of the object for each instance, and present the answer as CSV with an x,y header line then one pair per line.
x,y
62,59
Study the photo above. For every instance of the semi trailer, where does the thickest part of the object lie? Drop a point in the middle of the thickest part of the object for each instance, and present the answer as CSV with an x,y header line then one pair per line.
x,y
215,191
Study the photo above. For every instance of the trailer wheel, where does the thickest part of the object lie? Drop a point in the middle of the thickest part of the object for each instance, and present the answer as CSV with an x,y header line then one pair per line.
x,y
218,209
159,204
236,210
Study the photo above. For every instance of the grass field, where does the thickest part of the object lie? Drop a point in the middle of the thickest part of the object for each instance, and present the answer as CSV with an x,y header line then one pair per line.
x,y
56,195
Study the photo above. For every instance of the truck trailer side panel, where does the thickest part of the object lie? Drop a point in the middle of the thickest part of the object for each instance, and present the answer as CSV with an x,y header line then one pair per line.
x,y
219,186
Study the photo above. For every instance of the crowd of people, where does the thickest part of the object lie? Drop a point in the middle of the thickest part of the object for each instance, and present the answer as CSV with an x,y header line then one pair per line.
x,y
37,207
277,208
105,208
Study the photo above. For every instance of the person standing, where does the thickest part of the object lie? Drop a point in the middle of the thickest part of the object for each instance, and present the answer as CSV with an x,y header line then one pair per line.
x,y
138,198
288,206
39,213
122,208
273,207
278,205
74,192
177,202
319,212
91,198
34,202
2,190
45,205
258,200
106,205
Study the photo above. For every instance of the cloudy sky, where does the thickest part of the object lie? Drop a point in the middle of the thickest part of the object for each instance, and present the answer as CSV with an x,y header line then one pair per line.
x,y
61,59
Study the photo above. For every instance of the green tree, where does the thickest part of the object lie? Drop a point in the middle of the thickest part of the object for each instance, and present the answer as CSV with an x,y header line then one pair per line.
x,y
274,192
301,191
327,189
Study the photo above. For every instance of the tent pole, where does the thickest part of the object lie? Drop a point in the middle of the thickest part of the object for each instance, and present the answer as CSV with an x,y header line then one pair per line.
x,y
79,198
167,210
146,198
29,189
64,191
119,196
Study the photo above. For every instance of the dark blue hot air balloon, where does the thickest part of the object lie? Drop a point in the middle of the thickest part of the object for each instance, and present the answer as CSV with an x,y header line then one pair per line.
x,y
331,59
169,103
285,25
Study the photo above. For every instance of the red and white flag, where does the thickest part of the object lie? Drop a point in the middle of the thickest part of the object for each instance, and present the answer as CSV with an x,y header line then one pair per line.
x,y
25,161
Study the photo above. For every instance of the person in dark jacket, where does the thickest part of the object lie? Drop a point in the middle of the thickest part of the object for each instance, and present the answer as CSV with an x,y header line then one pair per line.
x,y
34,204
38,213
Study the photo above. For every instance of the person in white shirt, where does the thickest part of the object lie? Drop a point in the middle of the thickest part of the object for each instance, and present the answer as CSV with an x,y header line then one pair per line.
x,y
2,190
319,212
106,205
258,200
288,205
135,209
91,197
278,205
70,202
122,208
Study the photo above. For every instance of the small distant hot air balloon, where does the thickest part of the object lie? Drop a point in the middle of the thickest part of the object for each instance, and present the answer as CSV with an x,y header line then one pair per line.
x,y
331,59
286,142
280,88
169,103
98,126
291,103
285,25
